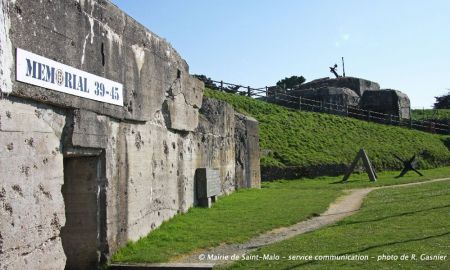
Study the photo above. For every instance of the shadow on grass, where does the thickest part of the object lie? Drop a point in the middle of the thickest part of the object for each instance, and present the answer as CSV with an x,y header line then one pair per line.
x,y
372,247
393,216
341,182
352,182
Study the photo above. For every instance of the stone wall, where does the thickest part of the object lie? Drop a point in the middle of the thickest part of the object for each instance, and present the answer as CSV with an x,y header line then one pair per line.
x,y
145,152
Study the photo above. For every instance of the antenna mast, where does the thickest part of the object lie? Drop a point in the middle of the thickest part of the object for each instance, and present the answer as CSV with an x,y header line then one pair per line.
x,y
343,67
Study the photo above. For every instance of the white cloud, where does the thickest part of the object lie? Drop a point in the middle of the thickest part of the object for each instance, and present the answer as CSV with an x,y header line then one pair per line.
x,y
343,38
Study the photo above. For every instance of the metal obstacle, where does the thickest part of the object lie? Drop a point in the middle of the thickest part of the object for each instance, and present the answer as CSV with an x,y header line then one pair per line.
x,y
408,165
367,165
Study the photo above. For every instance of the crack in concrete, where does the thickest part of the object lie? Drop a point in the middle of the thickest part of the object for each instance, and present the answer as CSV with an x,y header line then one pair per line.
x,y
30,250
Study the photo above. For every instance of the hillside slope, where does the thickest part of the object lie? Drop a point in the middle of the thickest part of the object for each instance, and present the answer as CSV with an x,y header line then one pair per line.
x,y
297,143
440,115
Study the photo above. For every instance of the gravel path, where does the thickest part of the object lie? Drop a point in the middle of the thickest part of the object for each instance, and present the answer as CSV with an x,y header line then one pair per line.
x,y
343,207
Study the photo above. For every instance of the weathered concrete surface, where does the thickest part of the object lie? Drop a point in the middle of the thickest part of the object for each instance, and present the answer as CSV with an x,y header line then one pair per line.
x,y
31,173
89,130
215,141
248,172
152,168
182,116
159,177
147,150
6,55
327,95
97,37
356,84
387,101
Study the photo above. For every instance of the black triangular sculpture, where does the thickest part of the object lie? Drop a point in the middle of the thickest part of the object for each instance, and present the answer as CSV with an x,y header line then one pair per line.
x,y
367,165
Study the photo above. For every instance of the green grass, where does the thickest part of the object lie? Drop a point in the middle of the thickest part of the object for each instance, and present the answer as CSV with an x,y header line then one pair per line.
x,y
304,139
234,218
406,220
431,114
247,213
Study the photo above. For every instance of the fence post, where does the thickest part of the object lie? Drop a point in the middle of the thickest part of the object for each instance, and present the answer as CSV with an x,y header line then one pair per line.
x,y
299,103
221,85
390,119
368,116
321,106
410,123
267,91
249,91
346,109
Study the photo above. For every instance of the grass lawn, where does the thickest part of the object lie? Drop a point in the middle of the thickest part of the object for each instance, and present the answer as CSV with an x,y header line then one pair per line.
x,y
304,139
392,222
431,114
247,213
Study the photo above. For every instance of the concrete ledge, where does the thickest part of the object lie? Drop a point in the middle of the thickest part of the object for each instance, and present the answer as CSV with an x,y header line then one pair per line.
x,y
163,266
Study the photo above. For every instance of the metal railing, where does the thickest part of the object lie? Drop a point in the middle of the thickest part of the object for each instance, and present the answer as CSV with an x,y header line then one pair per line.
x,y
300,103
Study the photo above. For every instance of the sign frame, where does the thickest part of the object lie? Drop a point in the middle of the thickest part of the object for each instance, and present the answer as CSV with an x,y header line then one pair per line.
x,y
43,72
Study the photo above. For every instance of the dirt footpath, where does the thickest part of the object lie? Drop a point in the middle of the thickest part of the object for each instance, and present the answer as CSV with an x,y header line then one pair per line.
x,y
343,207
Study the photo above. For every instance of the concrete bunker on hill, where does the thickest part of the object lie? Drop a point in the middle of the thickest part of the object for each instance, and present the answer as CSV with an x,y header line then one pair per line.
x,y
338,95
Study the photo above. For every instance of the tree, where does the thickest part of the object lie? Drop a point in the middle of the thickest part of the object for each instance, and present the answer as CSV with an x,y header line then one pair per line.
x,y
291,82
229,88
442,102
207,81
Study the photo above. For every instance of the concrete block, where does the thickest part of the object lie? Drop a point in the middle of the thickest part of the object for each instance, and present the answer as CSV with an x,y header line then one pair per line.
x,y
356,84
89,129
248,173
183,117
387,101
32,208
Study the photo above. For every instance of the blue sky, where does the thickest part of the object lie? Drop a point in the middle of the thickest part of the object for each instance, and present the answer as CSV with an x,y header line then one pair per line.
x,y
403,45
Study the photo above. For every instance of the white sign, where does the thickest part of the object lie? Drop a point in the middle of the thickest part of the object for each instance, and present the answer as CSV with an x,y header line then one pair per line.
x,y
37,70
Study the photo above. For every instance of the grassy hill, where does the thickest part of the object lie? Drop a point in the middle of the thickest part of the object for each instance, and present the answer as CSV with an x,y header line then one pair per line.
x,y
309,143
431,115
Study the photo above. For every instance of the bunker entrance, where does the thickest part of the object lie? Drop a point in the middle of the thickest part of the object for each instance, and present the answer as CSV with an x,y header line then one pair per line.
x,y
84,200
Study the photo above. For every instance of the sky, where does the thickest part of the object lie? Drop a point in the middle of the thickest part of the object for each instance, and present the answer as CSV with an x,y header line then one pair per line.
x,y
402,45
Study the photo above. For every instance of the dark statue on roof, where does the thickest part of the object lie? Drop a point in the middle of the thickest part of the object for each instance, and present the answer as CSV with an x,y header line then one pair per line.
x,y
333,70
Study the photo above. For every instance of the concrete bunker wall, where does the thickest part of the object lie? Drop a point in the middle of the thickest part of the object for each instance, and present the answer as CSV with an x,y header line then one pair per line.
x,y
387,101
345,91
31,172
248,173
356,84
148,149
